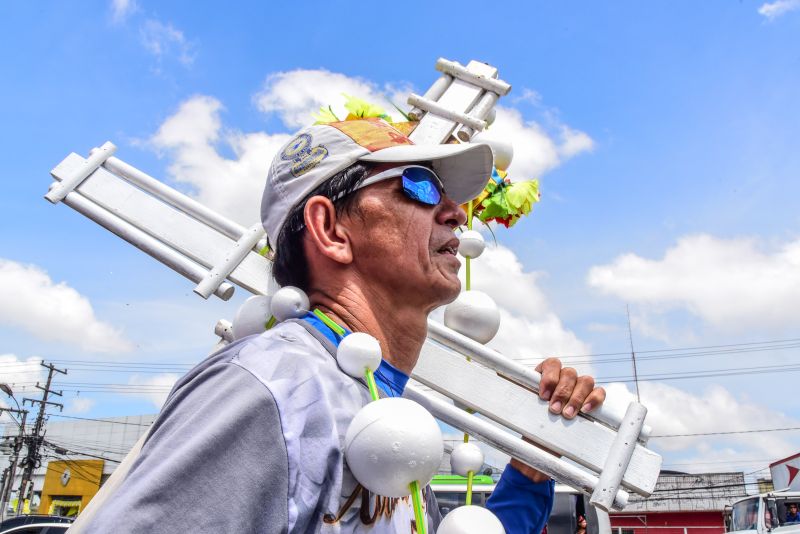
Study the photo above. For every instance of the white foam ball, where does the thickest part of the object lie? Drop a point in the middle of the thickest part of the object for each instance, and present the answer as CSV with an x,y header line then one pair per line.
x,y
470,520
502,151
357,352
252,316
289,303
466,457
471,244
473,314
391,443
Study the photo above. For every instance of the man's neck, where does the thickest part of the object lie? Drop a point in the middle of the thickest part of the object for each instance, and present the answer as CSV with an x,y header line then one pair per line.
x,y
401,330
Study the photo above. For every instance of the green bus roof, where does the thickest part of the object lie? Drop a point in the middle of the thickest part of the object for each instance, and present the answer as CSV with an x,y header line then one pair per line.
x,y
455,479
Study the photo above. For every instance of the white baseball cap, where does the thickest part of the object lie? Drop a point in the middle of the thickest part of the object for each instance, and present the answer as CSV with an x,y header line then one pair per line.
x,y
319,152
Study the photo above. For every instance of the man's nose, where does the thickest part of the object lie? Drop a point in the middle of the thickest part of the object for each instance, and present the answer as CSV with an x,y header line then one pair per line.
x,y
449,213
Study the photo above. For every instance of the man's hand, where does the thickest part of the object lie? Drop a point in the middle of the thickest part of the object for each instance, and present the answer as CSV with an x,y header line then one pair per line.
x,y
568,394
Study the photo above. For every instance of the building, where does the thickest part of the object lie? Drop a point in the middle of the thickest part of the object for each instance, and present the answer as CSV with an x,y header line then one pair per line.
x,y
78,455
682,503
765,485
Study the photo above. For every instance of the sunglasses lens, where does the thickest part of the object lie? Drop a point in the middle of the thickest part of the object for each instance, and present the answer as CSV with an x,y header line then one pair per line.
x,y
421,185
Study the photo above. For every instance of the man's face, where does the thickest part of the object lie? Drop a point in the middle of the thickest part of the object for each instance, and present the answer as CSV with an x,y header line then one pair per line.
x,y
405,248
793,508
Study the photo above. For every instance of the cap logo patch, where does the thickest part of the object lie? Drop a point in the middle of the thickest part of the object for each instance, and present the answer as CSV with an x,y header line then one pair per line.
x,y
303,156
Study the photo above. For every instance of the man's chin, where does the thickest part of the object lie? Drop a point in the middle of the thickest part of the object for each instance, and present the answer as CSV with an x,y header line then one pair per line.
x,y
450,292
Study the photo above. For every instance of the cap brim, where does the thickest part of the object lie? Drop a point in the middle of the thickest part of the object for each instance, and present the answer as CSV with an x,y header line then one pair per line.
x,y
463,168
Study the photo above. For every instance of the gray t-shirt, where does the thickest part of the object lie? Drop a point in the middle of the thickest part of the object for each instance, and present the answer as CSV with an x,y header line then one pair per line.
x,y
251,441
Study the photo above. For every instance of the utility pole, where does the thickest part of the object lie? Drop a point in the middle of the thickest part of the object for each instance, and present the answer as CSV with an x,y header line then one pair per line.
x,y
34,441
11,470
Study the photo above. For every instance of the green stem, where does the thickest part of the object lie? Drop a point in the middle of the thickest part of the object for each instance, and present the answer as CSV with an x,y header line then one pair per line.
x,y
329,322
469,226
469,487
373,388
270,322
416,499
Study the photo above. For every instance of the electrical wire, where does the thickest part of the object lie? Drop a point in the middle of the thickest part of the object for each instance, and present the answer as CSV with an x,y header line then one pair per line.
x,y
726,432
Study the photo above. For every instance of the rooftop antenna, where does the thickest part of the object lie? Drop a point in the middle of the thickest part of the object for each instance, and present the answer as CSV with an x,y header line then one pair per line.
x,y
633,353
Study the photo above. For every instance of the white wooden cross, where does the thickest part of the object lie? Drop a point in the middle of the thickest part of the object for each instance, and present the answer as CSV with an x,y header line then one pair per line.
x,y
603,454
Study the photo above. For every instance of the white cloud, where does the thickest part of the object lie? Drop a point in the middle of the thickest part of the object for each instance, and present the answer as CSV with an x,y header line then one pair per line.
x,y
296,95
122,9
164,40
20,375
573,142
80,405
535,150
231,186
773,10
194,137
675,411
53,311
730,283
154,388
528,96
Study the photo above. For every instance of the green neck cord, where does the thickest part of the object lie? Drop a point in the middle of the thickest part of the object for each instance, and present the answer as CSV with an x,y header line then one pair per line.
x,y
368,374
470,476
469,285
416,499
329,322
469,227
416,493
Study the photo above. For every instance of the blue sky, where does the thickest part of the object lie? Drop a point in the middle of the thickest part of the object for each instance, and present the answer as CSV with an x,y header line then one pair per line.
x,y
664,137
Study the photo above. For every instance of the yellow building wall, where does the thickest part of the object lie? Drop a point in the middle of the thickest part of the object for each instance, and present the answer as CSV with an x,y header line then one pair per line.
x,y
83,481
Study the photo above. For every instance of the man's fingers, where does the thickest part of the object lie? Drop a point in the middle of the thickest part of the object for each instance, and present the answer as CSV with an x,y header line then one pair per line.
x,y
551,371
566,392
595,399
564,388
583,389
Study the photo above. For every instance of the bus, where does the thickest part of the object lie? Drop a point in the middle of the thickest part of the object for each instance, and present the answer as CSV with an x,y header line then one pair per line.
x,y
569,505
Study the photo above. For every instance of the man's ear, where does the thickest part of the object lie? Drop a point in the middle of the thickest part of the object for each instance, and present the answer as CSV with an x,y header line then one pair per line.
x,y
325,230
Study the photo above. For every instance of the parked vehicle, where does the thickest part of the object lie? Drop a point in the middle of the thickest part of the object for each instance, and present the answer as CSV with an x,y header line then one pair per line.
x,y
32,519
568,508
764,513
38,528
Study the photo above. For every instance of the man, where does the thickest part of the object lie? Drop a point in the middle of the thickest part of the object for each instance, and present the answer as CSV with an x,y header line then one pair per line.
x,y
792,515
251,439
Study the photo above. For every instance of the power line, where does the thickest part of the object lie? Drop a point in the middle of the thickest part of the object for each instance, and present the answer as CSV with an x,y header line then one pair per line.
x,y
656,355
61,447
754,346
704,374
699,347
727,432
101,420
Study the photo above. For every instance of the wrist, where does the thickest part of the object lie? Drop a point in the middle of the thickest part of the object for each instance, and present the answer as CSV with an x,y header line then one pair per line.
x,y
529,472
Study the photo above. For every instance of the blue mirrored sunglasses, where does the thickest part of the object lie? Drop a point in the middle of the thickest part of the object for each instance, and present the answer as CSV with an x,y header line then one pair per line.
x,y
419,183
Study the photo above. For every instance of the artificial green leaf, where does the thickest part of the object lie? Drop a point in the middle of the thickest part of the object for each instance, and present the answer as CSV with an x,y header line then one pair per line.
x,y
325,115
521,196
362,109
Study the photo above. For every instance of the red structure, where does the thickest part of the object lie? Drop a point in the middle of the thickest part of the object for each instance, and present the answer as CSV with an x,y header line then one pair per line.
x,y
682,503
